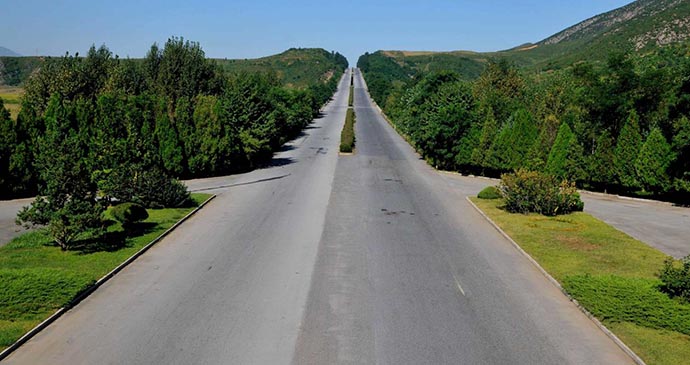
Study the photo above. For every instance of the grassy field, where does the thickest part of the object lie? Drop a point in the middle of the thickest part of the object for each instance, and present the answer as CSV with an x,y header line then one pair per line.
x,y
37,278
610,273
11,97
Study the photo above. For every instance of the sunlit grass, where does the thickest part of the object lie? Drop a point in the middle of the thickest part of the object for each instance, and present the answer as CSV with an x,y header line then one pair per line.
x,y
37,278
610,273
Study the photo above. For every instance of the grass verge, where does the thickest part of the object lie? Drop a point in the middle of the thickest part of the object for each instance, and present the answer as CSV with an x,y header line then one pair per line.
x,y
347,136
37,278
609,273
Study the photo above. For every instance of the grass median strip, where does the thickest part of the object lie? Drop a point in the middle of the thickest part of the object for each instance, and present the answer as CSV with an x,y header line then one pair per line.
x,y
37,278
610,273
347,136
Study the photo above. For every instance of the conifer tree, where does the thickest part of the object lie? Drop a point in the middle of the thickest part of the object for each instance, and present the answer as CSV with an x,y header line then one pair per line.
x,y
556,163
653,161
627,149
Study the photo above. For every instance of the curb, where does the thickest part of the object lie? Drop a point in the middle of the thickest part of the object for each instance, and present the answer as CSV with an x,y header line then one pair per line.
x,y
555,282
623,197
83,295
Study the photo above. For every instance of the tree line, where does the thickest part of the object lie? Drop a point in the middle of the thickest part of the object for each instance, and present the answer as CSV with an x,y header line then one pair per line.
x,y
174,112
621,127
97,130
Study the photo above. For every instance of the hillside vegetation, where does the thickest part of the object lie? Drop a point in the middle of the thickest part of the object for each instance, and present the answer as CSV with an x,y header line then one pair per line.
x,y
296,67
640,27
619,125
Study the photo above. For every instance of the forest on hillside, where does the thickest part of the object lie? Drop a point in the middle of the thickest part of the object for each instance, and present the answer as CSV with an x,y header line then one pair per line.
x,y
623,127
106,123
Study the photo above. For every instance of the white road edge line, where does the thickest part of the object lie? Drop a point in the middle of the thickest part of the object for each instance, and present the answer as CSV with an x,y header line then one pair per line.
x,y
555,282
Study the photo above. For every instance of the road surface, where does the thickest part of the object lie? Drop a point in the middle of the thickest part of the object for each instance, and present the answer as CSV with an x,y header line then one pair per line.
x,y
371,258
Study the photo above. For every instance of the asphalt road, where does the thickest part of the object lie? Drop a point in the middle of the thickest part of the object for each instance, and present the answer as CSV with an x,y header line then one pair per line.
x,y
8,213
371,258
660,225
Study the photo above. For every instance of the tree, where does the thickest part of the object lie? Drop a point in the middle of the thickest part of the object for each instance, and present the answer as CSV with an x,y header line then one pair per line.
x,y
653,161
602,160
67,201
8,139
538,155
489,131
558,156
627,149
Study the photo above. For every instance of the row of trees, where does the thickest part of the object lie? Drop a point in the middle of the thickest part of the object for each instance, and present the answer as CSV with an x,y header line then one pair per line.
x,y
622,127
98,129
174,111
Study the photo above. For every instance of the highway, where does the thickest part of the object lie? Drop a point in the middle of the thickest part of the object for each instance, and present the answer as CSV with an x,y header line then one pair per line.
x,y
373,258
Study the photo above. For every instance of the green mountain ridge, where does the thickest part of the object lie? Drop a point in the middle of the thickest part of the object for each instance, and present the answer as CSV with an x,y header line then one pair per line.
x,y
296,67
639,27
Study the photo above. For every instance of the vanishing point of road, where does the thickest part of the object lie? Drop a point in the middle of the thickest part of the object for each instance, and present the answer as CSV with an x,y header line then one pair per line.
x,y
372,258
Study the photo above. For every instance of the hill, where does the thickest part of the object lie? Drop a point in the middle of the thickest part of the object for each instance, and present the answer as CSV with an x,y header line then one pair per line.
x,y
296,67
6,52
15,70
639,27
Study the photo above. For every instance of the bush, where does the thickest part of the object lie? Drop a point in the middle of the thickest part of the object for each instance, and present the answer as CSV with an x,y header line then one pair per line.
x,y
347,136
635,300
129,213
675,279
490,192
533,192
155,189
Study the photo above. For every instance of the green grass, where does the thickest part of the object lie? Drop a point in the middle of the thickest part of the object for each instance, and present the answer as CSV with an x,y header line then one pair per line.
x,y
610,273
37,278
11,97
347,136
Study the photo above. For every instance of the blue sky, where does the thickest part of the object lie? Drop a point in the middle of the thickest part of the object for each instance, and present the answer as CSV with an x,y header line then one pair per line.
x,y
255,28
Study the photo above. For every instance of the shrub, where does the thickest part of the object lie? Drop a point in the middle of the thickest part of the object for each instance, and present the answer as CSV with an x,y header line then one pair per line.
x,y
155,189
635,300
347,136
533,192
129,213
490,192
675,279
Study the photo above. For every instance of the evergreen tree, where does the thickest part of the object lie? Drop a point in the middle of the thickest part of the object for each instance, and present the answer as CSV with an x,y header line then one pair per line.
x,y
556,163
538,155
8,140
653,161
601,162
488,133
681,152
67,201
627,149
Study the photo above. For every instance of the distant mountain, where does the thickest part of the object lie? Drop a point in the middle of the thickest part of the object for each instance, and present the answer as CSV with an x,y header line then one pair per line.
x,y
638,27
6,52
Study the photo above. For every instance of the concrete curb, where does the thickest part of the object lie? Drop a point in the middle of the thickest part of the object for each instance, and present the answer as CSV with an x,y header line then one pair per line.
x,y
623,197
34,331
555,282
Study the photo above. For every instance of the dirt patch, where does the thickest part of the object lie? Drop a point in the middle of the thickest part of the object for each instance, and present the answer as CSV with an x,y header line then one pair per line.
x,y
576,243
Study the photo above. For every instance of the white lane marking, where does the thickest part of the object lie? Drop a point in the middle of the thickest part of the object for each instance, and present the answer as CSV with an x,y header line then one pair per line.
x,y
457,283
